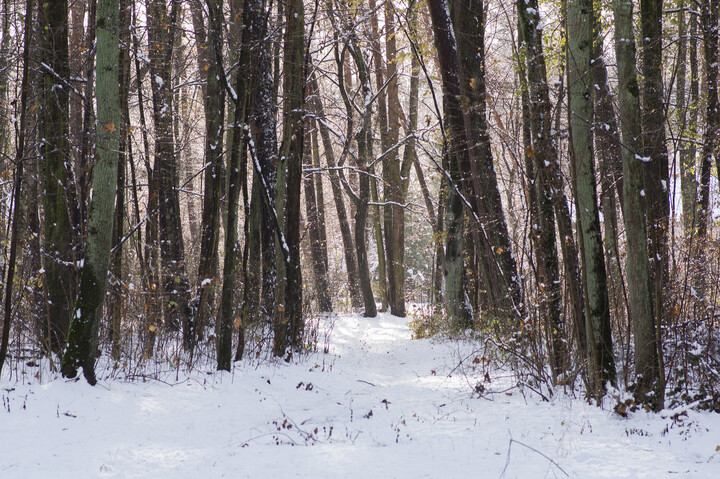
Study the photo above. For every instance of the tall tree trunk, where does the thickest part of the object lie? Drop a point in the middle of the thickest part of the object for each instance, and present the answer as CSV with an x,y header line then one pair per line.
x,y
289,324
600,351
657,179
361,200
214,126
237,181
394,211
543,155
83,335
5,54
60,266
80,60
380,221
607,145
681,115
472,149
637,264
265,152
116,305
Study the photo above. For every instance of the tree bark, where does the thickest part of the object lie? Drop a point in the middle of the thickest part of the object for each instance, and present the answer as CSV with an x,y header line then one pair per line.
x,y
637,265
60,265
600,353
289,323
237,182
214,106
491,235
83,334
543,155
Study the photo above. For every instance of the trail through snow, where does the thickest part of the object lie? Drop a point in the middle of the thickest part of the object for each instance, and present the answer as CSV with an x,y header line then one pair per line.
x,y
378,405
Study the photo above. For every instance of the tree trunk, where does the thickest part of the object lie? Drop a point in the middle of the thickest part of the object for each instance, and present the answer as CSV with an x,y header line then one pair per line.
x,y
543,155
607,145
289,323
237,181
60,266
83,334
688,182
381,223
161,27
116,303
655,152
600,352
363,138
264,127
475,164
214,125
637,265
394,211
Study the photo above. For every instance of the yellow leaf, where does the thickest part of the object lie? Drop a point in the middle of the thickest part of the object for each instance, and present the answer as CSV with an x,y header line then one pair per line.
x,y
499,250
238,322
281,308
152,328
206,68
473,81
109,127
82,48
131,129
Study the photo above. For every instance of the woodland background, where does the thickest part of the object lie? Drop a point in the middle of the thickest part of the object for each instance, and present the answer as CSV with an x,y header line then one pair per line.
x,y
198,180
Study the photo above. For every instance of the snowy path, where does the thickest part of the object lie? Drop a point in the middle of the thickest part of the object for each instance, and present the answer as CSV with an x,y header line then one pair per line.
x,y
378,405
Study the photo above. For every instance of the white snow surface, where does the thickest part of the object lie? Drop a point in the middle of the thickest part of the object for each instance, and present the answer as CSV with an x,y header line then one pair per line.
x,y
378,405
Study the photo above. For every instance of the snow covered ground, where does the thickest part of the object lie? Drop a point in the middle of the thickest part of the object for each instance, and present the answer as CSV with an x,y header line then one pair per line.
x,y
378,405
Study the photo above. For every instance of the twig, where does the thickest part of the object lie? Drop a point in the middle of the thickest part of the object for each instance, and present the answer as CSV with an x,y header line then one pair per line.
x,y
507,461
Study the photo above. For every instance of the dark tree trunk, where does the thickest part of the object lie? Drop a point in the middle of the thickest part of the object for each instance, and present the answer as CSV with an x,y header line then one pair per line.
x,y
472,149
116,303
214,105
60,259
544,157
289,324
237,182
638,270
394,211
657,179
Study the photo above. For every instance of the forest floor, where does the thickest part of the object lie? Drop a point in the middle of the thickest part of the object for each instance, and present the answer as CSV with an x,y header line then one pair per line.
x,y
377,405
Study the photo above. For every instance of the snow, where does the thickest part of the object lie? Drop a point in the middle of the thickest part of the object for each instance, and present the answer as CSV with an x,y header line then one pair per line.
x,y
378,404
